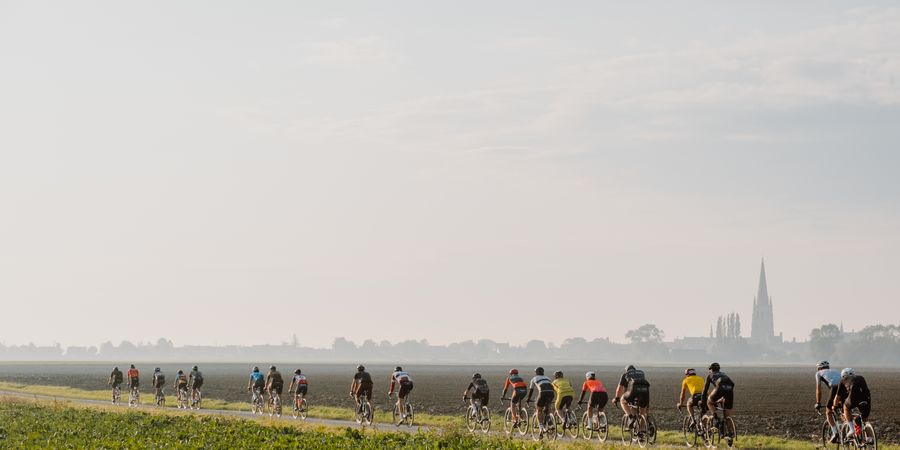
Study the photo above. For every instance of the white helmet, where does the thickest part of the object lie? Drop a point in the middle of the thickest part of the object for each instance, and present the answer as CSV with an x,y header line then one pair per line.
x,y
822,365
590,376
848,372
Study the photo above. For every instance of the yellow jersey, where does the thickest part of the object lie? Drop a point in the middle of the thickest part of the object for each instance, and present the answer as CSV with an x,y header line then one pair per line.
x,y
694,384
563,388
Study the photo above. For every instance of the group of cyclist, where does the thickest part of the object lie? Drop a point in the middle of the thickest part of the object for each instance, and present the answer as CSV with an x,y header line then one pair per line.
x,y
191,382
847,391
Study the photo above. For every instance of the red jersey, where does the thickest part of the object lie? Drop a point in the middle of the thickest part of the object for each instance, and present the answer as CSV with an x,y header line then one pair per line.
x,y
593,386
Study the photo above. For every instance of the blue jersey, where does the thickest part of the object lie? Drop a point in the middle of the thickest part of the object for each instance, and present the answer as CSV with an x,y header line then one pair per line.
x,y
257,378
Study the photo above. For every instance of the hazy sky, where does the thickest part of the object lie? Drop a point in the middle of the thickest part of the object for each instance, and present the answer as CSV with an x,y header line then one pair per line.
x,y
234,172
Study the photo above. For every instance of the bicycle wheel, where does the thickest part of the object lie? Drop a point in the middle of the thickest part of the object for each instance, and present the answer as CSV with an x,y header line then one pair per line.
x,y
304,409
295,411
643,431
572,426
396,415
523,422
368,417
471,419
651,430
627,431
730,432
485,419
710,432
870,440
687,429
552,425
602,427
587,429
508,424
410,416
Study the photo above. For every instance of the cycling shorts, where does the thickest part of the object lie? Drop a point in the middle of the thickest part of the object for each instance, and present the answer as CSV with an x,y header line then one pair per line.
x,y
865,407
834,390
405,389
639,395
564,402
116,383
724,393
518,395
363,389
598,400
545,398
276,388
484,397
198,382
301,389
135,382
695,400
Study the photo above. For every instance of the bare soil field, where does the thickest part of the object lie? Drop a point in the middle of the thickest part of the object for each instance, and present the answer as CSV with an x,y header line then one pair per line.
x,y
774,401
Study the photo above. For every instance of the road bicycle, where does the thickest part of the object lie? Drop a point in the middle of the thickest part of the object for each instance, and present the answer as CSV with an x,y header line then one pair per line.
x,y
568,424
857,434
181,396
477,416
134,396
715,428
257,401
116,394
597,426
546,428
196,398
300,407
400,419
639,429
160,397
690,426
273,406
363,411
521,426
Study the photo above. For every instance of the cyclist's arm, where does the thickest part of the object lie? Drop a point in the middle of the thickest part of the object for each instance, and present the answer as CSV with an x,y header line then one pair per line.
x,y
581,399
818,390
683,391
392,386
530,390
706,386
619,391
353,385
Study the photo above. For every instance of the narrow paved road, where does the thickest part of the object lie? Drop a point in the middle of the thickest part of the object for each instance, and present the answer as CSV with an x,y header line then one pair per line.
x,y
220,412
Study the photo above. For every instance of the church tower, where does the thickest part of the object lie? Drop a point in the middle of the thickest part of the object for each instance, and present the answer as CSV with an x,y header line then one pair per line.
x,y
762,329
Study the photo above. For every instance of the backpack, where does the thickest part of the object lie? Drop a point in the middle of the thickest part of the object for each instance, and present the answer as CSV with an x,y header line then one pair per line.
x,y
481,386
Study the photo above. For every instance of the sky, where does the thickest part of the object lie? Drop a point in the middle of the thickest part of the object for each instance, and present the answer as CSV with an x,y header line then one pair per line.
x,y
220,172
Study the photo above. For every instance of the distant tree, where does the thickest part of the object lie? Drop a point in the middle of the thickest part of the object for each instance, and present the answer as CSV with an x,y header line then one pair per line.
x,y
824,340
720,329
645,334
342,347
737,325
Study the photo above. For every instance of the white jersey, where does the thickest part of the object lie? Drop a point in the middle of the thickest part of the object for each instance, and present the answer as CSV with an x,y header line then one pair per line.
x,y
401,377
830,377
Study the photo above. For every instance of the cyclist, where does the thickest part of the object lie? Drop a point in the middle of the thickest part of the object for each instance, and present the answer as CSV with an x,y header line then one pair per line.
x,y
405,386
302,384
274,382
692,392
115,378
545,388
195,381
598,398
853,392
181,382
831,378
159,383
564,395
722,391
480,391
517,383
133,378
633,387
256,384
362,385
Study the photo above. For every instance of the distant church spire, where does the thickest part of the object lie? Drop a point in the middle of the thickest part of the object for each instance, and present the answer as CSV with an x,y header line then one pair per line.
x,y
762,329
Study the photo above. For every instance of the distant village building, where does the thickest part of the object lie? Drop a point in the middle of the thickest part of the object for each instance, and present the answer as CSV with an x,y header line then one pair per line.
x,y
762,329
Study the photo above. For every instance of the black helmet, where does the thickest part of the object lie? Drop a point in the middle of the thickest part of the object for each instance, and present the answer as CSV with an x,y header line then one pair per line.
x,y
195,368
255,369
397,369
539,371
272,368
116,368
132,366
629,368
714,367
476,376
360,368
297,371
156,369
558,374
180,372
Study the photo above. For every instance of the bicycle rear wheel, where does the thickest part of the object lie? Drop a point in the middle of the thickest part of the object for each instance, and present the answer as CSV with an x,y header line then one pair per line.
x,y
602,427
523,422
572,426
535,427
710,432
730,432
410,416
485,419
643,431
870,441
552,426
587,429
627,431
689,431
471,419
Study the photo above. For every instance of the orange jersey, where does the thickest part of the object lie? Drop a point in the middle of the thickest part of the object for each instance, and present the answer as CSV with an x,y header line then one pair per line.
x,y
516,382
132,373
593,386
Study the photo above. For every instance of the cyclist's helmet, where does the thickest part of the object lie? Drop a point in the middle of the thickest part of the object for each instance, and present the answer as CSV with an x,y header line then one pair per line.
x,y
156,369
180,372
116,368
360,368
513,371
476,376
297,371
714,367
539,371
272,368
629,368
558,374
256,369
195,368
397,369
689,372
590,376
132,366
848,372
823,365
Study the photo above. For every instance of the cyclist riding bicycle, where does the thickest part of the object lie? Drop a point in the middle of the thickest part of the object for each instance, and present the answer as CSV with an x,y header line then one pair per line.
x,y
633,387
831,378
257,383
480,390
195,379
405,387
362,385
564,395
133,377
115,379
181,381
299,380
517,383
853,392
722,390
545,388
692,391
159,383
598,397
274,382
